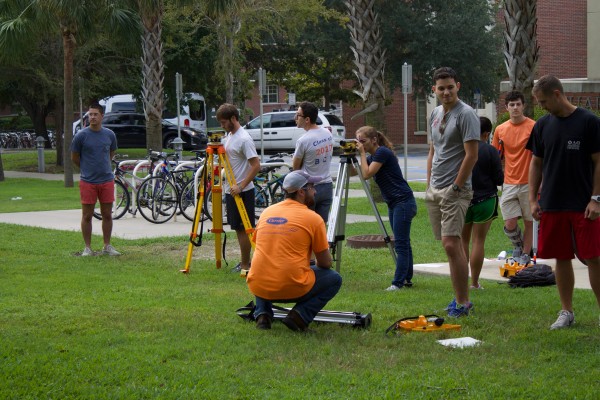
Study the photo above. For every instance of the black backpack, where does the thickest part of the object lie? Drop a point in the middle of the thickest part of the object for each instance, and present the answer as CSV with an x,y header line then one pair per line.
x,y
535,275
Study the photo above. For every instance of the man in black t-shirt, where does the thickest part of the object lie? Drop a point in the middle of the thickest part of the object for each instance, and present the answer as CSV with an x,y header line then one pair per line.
x,y
566,155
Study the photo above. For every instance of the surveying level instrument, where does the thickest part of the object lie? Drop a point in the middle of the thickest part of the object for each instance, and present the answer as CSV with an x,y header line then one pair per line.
x,y
336,224
215,149
355,319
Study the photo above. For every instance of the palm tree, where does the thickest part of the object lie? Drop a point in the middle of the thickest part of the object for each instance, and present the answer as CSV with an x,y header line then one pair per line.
x,y
521,49
369,59
151,14
153,70
73,19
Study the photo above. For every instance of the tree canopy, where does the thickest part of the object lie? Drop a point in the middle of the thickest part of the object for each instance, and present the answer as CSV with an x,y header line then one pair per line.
x,y
429,34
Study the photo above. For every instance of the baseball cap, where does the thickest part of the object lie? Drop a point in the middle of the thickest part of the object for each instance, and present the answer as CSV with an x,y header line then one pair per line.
x,y
296,180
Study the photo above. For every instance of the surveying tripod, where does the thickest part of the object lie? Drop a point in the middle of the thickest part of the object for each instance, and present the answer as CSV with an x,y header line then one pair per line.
x,y
336,224
215,147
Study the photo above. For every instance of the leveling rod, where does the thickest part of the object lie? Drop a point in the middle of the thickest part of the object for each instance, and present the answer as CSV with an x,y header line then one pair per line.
x,y
341,317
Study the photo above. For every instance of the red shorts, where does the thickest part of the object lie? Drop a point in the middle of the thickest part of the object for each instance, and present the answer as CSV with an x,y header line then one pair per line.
x,y
562,234
90,192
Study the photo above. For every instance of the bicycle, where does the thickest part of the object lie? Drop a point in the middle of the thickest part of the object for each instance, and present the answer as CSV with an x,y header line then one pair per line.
x,y
268,184
159,196
127,183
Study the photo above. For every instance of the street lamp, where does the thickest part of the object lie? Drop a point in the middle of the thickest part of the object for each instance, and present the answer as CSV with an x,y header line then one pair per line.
x,y
39,141
178,146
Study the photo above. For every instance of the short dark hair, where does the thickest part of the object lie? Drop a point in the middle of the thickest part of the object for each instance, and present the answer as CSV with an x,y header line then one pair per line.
x,y
514,95
98,107
485,124
548,84
228,111
445,73
309,110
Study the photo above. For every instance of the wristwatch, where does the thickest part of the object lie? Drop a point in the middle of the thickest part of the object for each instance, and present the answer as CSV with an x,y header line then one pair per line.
x,y
455,187
596,198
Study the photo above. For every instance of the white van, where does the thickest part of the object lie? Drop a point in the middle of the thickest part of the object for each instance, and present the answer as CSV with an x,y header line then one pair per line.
x,y
193,115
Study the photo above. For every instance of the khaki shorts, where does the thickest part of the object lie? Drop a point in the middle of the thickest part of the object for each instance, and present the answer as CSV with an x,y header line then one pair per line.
x,y
514,202
447,210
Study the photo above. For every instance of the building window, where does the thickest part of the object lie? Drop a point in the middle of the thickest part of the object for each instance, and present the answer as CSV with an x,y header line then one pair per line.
x,y
271,95
421,114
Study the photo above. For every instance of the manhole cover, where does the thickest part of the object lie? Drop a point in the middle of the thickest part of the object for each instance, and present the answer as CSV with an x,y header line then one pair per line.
x,y
367,241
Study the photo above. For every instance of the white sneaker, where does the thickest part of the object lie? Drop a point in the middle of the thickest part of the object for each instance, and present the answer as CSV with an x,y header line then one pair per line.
x,y
87,252
110,251
565,319
393,288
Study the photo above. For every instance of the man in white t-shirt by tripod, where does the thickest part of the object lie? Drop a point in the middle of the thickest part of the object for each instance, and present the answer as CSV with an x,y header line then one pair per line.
x,y
313,154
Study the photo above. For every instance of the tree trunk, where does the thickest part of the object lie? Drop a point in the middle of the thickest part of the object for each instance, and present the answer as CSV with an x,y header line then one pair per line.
x,y
153,74
521,49
369,60
69,48
58,136
1,168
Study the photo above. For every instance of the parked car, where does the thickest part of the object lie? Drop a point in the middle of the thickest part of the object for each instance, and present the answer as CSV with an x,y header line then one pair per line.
x,y
193,110
130,129
280,132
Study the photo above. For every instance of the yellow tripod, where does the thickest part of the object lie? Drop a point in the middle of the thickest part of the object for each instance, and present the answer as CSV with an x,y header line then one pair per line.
x,y
215,147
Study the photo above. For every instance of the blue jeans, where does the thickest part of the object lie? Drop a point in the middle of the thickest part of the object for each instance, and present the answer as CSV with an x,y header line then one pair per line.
x,y
327,284
323,199
401,215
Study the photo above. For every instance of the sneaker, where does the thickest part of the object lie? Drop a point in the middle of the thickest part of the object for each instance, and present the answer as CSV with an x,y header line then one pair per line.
x,y
451,306
110,251
565,319
393,288
408,284
263,322
460,310
238,268
523,259
478,287
87,252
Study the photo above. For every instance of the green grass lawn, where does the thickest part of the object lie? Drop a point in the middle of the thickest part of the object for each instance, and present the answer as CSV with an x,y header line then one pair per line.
x,y
134,327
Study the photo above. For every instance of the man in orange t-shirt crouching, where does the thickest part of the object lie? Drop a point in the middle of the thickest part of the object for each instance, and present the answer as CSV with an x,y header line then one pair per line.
x,y
286,235
510,138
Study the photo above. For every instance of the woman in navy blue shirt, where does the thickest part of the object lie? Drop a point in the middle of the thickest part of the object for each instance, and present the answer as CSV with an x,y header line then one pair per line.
x,y
382,165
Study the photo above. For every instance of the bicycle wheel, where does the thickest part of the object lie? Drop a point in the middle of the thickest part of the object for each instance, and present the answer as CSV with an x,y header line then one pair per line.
x,y
121,204
187,203
277,193
157,200
261,200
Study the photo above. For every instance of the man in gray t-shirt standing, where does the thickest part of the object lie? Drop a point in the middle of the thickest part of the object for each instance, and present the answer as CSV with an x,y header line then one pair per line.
x,y
91,150
452,156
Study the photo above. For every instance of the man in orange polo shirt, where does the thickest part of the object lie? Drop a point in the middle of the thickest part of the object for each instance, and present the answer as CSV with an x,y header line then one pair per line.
x,y
510,138
286,235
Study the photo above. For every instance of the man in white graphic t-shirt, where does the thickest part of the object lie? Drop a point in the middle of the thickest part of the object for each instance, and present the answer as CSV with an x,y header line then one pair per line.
x,y
313,154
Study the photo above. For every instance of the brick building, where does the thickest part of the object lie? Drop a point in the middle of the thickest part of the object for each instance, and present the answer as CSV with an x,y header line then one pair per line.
x,y
569,40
